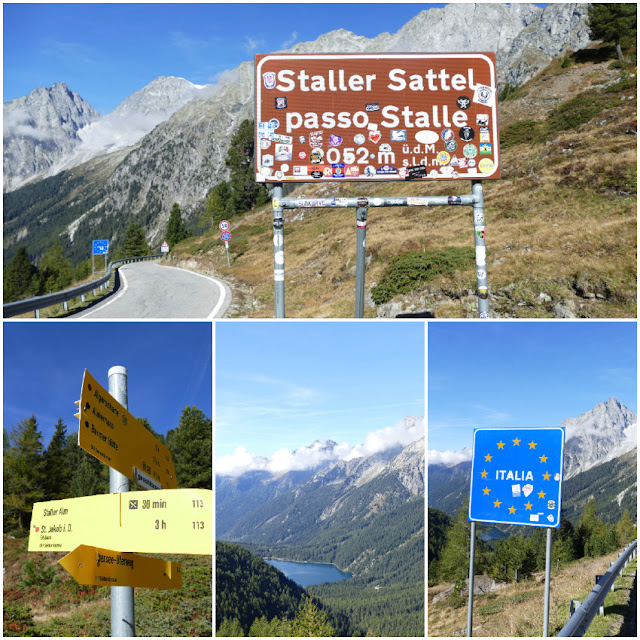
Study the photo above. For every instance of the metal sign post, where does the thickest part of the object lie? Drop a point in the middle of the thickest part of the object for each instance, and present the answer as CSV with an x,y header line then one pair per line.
x,y
122,606
361,250
516,478
472,564
278,250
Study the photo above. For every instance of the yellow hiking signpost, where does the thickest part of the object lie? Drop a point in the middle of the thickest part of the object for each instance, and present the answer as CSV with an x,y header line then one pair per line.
x,y
113,435
94,565
165,521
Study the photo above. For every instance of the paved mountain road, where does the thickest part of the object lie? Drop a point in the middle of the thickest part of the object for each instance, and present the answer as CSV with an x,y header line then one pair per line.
x,y
149,290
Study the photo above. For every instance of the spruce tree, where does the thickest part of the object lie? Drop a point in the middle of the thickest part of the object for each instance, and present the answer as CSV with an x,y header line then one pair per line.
x,y
219,204
134,243
56,466
55,269
19,277
23,472
311,622
240,160
190,446
176,230
613,21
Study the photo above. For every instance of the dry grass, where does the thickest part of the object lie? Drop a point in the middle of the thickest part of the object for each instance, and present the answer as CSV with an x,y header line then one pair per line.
x,y
560,222
517,610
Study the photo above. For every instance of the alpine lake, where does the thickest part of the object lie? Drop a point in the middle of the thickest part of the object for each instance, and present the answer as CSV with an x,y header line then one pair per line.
x,y
308,573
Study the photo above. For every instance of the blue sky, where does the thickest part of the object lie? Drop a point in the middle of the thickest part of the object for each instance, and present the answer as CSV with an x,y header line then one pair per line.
x,y
168,366
524,374
106,52
284,385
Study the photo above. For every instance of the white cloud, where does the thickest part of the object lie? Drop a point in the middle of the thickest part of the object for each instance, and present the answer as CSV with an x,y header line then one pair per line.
x,y
251,45
449,458
283,460
291,41
17,122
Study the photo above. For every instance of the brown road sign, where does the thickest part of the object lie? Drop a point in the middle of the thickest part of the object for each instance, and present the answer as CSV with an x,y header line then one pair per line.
x,y
94,565
110,433
386,116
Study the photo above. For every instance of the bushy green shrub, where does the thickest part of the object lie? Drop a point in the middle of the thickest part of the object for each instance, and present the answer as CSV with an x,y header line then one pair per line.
x,y
574,112
408,270
17,620
521,132
37,574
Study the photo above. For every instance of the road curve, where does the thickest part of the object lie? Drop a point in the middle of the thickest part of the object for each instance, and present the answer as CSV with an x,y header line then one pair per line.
x,y
149,290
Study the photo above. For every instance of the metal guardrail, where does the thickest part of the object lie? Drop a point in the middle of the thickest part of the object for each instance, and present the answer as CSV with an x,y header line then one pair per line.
x,y
40,302
579,622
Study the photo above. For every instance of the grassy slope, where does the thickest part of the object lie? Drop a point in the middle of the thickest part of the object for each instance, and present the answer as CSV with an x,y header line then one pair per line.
x,y
516,610
561,221
72,610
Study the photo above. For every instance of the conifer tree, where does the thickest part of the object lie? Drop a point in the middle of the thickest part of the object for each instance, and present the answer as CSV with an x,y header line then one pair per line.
x,y
311,622
219,204
190,445
56,270
176,231
240,160
134,243
56,465
613,21
18,281
23,472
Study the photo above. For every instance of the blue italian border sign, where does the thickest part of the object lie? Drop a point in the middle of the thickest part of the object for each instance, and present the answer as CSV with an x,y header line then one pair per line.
x,y
516,476
100,247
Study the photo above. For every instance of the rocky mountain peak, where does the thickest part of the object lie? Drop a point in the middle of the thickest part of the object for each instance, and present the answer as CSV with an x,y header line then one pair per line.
x,y
598,435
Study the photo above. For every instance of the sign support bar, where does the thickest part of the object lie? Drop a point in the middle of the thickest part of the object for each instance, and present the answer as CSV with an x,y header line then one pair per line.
x,y
472,562
122,605
481,250
362,205
547,586
278,250
361,250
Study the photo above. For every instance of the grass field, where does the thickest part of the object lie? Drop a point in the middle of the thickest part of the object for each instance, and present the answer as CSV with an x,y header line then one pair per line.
x,y
516,610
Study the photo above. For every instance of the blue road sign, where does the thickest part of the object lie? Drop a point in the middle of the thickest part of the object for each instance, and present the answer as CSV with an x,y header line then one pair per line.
x,y
516,476
225,236
100,247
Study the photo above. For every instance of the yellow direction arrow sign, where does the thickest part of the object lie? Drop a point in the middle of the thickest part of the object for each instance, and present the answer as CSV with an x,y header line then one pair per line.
x,y
111,434
166,521
94,565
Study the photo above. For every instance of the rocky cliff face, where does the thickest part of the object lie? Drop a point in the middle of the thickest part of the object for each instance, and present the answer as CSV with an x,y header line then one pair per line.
x,y
40,129
91,135
601,434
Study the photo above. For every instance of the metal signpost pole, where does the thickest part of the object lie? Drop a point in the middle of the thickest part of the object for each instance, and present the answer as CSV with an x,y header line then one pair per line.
x,y
278,249
226,244
122,611
547,586
361,249
93,262
472,562
481,249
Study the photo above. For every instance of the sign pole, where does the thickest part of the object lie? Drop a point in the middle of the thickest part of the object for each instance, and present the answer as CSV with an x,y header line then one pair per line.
x,y
472,562
278,249
481,249
122,606
361,249
547,586
93,263
226,244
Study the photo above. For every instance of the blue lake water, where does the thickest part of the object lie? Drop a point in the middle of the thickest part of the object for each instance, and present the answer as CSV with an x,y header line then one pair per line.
x,y
308,573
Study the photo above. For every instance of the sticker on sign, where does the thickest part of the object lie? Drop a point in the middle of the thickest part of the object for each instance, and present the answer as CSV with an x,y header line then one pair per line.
x,y
399,113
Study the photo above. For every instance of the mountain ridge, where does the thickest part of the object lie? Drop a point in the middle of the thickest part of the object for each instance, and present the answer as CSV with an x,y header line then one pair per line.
x,y
182,158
